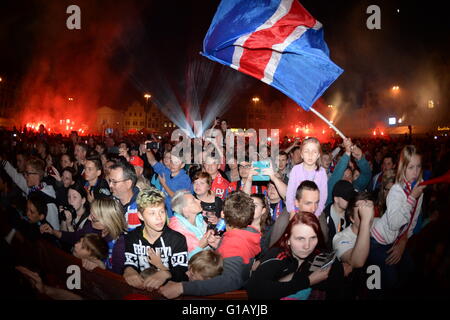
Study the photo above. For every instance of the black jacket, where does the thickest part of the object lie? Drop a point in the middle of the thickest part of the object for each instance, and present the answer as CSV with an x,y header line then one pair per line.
x,y
263,283
101,189
328,227
171,246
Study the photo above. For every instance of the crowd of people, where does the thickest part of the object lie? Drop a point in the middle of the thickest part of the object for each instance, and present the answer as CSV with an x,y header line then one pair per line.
x,y
326,215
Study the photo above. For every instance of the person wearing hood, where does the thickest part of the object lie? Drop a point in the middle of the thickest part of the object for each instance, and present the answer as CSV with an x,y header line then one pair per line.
x,y
31,181
238,246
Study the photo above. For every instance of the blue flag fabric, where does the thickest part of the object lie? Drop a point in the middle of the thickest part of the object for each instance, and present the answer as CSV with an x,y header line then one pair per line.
x,y
275,41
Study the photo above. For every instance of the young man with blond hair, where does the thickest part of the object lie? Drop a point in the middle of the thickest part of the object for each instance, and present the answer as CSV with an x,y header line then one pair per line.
x,y
154,243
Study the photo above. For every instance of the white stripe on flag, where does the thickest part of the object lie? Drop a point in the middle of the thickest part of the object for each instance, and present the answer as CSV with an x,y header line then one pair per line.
x,y
277,53
282,10
279,48
317,26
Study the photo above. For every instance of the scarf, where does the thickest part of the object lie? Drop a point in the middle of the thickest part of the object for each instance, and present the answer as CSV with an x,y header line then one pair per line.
x,y
198,230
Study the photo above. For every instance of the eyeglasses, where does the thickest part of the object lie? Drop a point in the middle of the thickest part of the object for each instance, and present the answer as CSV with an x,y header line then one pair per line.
x,y
113,182
245,167
28,173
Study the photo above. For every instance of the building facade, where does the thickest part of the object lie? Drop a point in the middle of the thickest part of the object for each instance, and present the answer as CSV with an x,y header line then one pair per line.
x,y
136,119
108,118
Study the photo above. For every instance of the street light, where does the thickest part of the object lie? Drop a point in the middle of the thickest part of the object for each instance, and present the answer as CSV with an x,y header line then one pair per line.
x,y
395,88
255,99
146,109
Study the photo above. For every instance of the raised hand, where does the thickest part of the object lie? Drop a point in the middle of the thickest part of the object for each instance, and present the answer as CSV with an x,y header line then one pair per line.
x,y
348,145
356,152
366,210
417,191
55,174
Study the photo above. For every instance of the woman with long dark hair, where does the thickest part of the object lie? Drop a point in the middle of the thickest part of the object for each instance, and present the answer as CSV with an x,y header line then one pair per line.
x,y
74,216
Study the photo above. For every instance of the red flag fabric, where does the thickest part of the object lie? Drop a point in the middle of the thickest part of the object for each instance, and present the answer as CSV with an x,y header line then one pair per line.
x,y
442,179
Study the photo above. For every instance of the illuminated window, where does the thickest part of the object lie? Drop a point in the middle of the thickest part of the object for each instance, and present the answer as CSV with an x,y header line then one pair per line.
x,y
165,124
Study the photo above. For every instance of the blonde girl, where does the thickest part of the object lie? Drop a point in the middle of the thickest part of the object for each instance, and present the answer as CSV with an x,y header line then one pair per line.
x,y
106,219
309,169
391,232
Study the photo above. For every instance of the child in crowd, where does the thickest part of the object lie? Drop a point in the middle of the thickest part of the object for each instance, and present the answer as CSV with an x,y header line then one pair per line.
x,y
36,214
96,186
205,265
238,246
93,248
171,180
106,219
309,169
154,239
391,232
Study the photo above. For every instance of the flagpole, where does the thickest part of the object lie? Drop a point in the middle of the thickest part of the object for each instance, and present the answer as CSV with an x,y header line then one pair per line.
x,y
328,122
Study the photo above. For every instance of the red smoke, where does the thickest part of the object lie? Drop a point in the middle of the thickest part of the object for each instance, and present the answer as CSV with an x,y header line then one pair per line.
x,y
70,75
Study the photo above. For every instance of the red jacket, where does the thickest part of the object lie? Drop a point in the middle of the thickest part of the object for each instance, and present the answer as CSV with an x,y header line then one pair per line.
x,y
244,243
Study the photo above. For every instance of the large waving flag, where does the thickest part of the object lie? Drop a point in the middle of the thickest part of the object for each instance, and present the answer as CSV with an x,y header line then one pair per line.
x,y
276,41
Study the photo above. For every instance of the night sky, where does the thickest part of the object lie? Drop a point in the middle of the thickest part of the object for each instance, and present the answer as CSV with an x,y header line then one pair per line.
x,y
126,48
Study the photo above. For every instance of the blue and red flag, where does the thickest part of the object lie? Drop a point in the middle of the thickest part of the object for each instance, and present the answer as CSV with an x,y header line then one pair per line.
x,y
275,41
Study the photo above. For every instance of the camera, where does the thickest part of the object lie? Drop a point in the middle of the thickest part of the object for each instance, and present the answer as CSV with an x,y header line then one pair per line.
x,y
50,171
71,209
152,145
209,207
